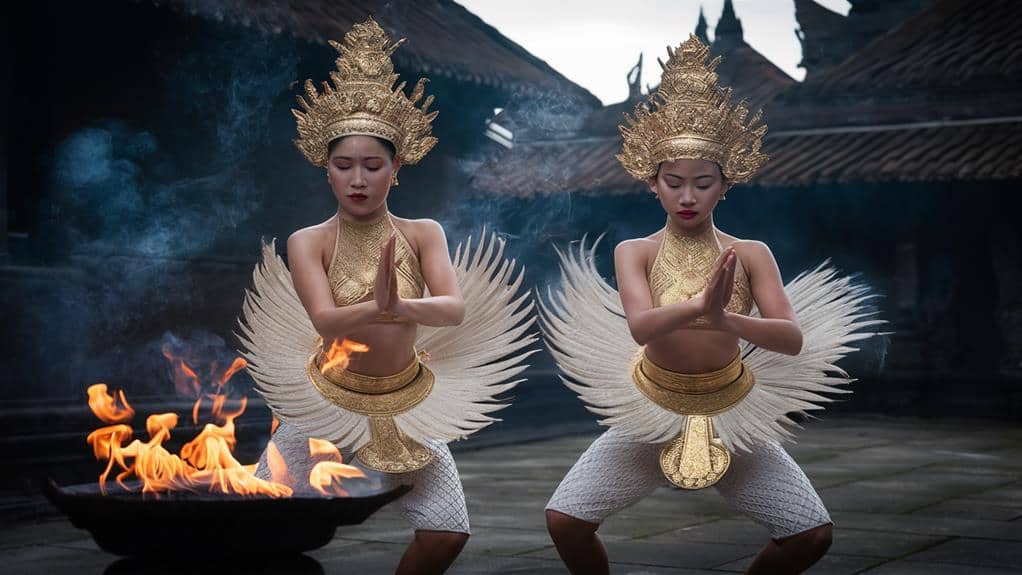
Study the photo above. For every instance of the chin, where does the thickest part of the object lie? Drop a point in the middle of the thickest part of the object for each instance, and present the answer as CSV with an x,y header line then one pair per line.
x,y
688,224
360,209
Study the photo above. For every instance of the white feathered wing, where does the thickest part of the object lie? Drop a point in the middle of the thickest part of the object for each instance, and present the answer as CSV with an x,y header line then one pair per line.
x,y
585,328
473,362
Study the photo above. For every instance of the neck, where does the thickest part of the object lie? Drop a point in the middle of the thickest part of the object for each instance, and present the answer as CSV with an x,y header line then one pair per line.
x,y
704,228
370,218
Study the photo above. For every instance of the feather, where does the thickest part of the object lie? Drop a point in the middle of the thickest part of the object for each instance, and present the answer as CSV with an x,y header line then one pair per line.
x,y
585,329
473,362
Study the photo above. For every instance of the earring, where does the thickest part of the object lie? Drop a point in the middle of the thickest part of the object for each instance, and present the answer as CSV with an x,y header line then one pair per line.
x,y
393,180
723,197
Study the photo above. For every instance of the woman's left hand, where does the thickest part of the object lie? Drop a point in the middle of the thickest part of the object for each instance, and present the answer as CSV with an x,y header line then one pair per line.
x,y
395,301
385,288
721,289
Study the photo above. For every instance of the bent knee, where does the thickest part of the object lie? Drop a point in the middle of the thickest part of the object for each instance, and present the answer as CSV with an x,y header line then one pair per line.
x,y
447,540
816,540
563,526
823,537
455,540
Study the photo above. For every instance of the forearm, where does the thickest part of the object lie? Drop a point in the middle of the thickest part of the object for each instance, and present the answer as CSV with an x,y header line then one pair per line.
x,y
338,322
655,322
432,311
780,335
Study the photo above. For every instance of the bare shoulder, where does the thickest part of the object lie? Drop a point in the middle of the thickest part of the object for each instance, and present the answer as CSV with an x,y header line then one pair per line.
x,y
753,251
750,252
755,256
637,249
313,238
419,232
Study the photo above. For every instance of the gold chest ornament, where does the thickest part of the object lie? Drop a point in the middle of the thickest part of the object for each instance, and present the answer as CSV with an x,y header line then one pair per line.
x,y
682,269
352,271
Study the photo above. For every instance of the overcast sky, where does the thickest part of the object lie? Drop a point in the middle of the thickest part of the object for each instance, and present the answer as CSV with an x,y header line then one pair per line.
x,y
596,42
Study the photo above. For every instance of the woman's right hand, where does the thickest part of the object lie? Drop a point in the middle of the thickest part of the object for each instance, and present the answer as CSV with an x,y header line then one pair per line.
x,y
385,277
717,294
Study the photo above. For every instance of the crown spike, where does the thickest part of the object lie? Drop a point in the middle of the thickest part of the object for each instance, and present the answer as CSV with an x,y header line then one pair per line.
x,y
361,98
394,46
691,117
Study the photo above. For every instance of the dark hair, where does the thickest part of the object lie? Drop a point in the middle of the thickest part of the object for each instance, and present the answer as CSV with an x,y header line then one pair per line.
x,y
387,145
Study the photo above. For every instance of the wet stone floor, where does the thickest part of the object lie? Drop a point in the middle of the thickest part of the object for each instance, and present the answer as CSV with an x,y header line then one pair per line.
x,y
907,496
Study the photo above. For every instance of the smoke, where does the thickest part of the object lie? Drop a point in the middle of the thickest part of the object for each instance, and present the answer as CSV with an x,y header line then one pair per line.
x,y
199,363
169,190
142,199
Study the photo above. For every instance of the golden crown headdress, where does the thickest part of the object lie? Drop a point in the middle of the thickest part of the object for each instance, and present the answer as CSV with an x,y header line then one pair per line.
x,y
361,99
691,117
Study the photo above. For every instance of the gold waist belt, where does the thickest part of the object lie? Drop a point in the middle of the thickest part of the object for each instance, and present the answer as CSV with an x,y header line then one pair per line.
x,y
693,394
696,458
380,398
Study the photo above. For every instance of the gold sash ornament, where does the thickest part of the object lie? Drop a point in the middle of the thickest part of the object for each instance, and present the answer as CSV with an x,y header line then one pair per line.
x,y
696,458
380,398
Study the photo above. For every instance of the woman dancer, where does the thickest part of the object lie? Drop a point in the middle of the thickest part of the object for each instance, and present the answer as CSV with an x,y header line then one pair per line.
x,y
695,387
350,345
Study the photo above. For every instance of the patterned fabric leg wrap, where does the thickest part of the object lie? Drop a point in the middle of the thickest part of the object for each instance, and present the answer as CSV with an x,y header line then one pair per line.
x,y
612,474
437,503
771,489
766,485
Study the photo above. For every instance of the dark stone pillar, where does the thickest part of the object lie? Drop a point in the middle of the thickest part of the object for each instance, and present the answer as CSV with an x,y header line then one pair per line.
x,y
5,63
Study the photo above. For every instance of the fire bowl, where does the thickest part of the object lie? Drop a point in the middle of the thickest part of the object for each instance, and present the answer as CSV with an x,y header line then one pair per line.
x,y
128,523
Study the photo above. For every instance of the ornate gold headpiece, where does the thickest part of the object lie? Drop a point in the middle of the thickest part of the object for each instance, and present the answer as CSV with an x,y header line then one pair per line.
x,y
691,117
361,99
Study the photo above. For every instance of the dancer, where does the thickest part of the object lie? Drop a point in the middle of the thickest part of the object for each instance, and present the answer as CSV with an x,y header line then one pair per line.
x,y
374,340
699,361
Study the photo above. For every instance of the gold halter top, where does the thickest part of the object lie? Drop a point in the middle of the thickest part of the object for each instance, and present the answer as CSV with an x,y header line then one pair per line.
x,y
682,269
352,271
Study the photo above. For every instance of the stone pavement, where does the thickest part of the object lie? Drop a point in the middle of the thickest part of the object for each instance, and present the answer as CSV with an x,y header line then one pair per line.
x,y
908,496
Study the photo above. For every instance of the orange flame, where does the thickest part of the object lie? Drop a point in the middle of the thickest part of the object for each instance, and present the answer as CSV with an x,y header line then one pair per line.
x,y
327,474
206,462
212,442
186,381
339,354
323,447
105,407
211,455
237,365
158,469
218,396
106,444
